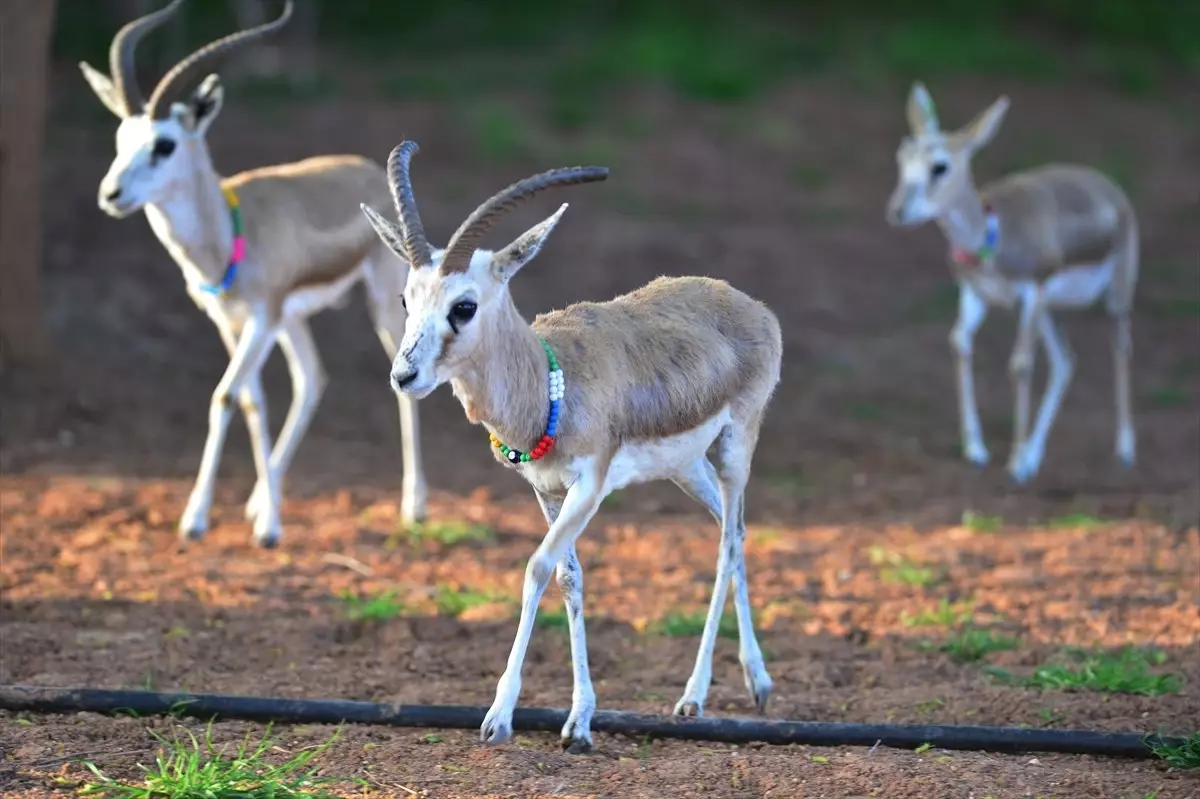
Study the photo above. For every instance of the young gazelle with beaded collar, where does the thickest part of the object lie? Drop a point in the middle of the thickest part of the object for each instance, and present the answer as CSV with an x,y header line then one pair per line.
x,y
260,251
1055,237
650,380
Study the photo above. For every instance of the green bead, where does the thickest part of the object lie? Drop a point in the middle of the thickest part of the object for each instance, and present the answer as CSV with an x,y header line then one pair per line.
x,y
524,457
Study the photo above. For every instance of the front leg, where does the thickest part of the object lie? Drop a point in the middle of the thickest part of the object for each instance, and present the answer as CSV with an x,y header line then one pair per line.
x,y
580,504
251,350
972,310
577,732
1020,367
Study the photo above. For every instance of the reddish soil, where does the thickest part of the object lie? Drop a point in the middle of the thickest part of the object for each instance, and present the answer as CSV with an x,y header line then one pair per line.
x,y
783,198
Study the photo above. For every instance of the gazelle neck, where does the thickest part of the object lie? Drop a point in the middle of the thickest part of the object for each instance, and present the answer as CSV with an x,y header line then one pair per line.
x,y
964,219
504,386
193,221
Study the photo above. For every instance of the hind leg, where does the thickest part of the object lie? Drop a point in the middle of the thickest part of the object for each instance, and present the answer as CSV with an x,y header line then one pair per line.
x,y
1126,440
388,315
735,449
701,484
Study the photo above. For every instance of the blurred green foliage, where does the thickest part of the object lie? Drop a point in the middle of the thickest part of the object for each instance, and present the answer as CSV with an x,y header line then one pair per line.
x,y
719,50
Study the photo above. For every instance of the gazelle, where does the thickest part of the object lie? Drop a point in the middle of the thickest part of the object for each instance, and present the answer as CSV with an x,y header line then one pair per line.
x,y
586,400
1055,237
260,252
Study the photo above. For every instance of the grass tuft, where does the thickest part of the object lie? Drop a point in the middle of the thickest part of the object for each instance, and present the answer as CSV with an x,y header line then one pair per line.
x,y
455,602
448,532
944,615
1184,757
895,568
378,607
980,522
185,768
1125,672
681,625
972,644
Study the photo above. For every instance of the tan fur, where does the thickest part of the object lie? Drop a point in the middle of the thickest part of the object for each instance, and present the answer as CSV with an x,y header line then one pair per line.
x,y
1067,235
306,246
650,364
653,380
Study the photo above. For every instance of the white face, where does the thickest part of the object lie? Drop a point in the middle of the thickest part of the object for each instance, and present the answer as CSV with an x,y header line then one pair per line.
x,y
928,169
446,314
450,316
152,156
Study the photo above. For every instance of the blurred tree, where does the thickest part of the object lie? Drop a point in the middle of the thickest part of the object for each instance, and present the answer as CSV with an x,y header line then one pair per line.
x,y
25,30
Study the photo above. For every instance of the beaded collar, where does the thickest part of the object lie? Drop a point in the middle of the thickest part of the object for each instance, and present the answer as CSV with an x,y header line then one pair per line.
x,y
239,247
546,443
991,238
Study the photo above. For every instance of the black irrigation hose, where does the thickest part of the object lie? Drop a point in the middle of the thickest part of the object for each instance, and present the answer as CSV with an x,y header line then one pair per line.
x,y
816,733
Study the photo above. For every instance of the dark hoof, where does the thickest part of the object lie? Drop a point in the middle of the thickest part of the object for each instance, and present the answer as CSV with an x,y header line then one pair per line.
x,y
194,534
689,709
267,541
576,746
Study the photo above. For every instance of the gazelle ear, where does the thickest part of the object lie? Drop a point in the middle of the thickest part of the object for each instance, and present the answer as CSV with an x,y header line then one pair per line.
x,y
508,261
389,231
204,104
922,114
982,129
103,86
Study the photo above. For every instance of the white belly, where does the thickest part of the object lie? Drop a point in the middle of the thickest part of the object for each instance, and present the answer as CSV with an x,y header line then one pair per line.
x,y
305,302
642,461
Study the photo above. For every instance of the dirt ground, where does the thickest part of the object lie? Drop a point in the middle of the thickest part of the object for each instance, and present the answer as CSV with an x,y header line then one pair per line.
x,y
858,456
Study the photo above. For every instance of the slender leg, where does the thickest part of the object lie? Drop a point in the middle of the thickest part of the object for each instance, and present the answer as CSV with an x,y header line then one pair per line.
x,y
1061,368
582,500
1020,368
251,350
700,483
577,732
308,384
972,310
390,318
1122,352
735,448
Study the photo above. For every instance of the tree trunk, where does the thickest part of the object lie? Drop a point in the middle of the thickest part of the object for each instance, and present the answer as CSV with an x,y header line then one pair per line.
x,y
25,30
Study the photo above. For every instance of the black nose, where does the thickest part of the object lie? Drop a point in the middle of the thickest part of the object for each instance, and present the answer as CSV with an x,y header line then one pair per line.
x,y
400,380
112,195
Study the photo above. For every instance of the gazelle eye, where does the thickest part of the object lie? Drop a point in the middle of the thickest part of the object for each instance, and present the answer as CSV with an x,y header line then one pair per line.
x,y
163,148
461,313
938,169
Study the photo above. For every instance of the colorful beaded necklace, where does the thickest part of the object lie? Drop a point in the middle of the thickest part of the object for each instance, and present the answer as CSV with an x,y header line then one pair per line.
x,y
991,237
546,443
239,246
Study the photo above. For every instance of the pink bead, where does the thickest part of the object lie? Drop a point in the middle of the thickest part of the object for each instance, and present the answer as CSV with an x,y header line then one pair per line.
x,y
239,249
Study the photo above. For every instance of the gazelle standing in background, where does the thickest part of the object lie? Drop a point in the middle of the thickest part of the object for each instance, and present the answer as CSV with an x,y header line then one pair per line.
x,y
587,400
1054,237
260,252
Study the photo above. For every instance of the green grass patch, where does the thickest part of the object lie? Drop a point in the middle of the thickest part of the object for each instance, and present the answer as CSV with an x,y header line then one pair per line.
x,y
1185,756
685,625
1168,397
187,768
1127,671
896,568
455,602
938,305
1076,521
981,522
371,607
945,614
448,532
552,619
972,644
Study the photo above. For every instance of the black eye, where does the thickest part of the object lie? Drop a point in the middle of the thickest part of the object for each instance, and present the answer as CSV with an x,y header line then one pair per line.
x,y
461,313
403,302
163,147
938,169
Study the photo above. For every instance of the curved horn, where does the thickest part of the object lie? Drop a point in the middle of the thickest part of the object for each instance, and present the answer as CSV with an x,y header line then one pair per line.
x,y
181,72
121,64
415,244
462,244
